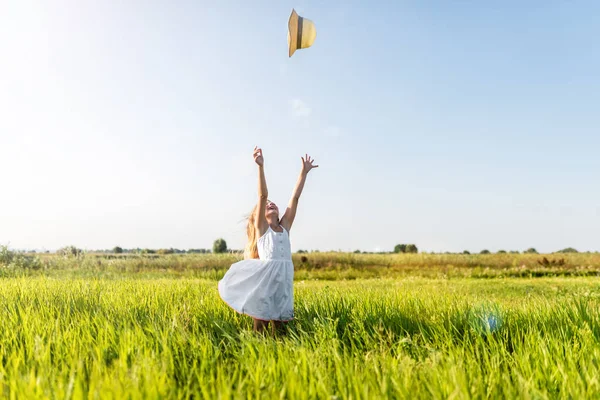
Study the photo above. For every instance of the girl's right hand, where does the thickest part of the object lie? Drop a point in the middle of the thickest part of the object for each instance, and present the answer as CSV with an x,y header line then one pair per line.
x,y
258,156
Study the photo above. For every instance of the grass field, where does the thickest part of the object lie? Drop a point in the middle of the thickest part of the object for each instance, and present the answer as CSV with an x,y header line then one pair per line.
x,y
116,328
324,266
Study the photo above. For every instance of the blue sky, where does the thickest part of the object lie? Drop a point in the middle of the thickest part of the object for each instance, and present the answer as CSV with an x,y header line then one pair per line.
x,y
452,125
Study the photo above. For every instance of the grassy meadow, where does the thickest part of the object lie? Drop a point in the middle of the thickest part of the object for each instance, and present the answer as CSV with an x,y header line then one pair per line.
x,y
367,326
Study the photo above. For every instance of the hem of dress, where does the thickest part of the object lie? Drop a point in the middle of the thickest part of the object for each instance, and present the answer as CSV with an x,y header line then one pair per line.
x,y
252,316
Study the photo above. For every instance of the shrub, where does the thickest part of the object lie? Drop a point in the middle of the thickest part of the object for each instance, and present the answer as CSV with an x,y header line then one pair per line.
x,y
13,259
356,251
531,250
411,248
484,252
568,250
165,251
400,248
198,251
117,250
501,252
69,251
302,251
466,252
219,246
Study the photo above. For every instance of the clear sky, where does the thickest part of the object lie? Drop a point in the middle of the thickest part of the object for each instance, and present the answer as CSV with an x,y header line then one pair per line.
x,y
451,125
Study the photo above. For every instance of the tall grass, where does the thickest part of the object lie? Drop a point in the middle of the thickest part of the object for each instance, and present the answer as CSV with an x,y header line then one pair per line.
x,y
326,266
407,338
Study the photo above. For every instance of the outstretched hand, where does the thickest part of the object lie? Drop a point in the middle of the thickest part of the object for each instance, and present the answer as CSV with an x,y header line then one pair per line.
x,y
258,156
307,164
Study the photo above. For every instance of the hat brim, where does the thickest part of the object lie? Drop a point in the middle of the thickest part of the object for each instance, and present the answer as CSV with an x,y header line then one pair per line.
x,y
293,33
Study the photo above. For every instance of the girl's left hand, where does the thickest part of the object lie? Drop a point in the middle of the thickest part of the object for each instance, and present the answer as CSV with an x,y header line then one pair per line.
x,y
307,164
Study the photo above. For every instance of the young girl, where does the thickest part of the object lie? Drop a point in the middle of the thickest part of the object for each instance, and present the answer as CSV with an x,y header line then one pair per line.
x,y
261,285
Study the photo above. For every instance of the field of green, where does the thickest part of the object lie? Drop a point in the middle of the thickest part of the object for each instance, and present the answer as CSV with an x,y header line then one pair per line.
x,y
366,327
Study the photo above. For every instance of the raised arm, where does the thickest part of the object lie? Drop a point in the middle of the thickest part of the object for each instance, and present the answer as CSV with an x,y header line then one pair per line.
x,y
290,213
260,223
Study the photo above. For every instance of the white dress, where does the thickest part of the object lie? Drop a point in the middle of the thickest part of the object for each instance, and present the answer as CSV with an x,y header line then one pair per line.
x,y
263,288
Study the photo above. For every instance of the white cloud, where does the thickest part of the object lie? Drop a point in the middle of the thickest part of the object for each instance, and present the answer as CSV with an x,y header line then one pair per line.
x,y
299,108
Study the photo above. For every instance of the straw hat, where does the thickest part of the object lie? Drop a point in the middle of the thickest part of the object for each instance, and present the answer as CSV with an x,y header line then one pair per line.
x,y
301,32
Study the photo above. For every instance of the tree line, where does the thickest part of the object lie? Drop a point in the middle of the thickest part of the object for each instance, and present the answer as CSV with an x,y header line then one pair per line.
x,y
220,246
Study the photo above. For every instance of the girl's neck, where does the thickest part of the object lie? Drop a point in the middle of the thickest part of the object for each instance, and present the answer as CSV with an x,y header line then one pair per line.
x,y
274,224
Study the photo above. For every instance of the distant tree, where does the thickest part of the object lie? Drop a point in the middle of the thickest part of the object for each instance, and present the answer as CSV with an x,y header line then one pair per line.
x,y
568,250
117,250
400,248
531,250
356,251
148,251
514,252
165,251
411,248
484,252
302,251
501,252
219,246
466,252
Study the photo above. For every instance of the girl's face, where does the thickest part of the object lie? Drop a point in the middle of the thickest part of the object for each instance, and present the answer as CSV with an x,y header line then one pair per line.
x,y
271,209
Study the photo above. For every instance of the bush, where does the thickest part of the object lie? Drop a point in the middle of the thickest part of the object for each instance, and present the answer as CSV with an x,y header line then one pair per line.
x,y
568,250
411,248
501,252
117,250
198,251
356,251
69,251
165,251
531,250
466,252
219,246
13,259
302,251
400,248
484,252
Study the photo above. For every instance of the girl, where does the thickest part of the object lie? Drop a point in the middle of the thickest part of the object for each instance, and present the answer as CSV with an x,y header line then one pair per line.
x,y
261,285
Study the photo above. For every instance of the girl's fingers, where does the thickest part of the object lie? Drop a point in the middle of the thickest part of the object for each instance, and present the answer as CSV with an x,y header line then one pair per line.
x,y
315,166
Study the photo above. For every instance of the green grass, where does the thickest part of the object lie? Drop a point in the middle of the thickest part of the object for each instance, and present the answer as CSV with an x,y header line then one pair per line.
x,y
137,336
323,266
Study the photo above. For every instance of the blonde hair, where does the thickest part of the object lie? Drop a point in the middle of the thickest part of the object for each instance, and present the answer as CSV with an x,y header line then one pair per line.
x,y
251,250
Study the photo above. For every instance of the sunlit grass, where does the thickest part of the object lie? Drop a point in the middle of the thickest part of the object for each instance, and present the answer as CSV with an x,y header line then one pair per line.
x,y
410,338
322,266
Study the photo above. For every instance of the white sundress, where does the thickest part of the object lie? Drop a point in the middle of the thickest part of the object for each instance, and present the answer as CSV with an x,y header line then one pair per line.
x,y
263,288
